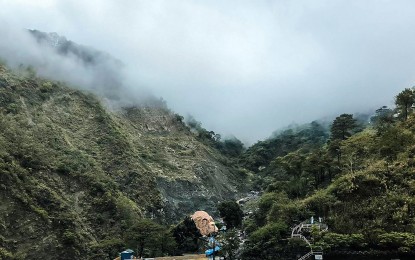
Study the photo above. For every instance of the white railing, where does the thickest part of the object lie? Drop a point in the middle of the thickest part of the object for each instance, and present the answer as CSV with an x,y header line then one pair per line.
x,y
304,239
297,233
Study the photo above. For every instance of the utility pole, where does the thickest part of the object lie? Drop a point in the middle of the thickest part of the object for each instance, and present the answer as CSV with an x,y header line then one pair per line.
x,y
214,245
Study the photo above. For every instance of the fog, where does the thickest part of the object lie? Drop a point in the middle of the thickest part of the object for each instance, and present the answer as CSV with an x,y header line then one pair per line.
x,y
240,67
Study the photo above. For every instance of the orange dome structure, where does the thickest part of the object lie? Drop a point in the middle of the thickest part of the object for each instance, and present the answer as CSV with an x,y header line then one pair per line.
x,y
204,222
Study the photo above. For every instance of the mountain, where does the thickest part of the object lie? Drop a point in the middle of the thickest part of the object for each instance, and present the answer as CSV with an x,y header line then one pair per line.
x,y
74,173
65,47
88,168
359,183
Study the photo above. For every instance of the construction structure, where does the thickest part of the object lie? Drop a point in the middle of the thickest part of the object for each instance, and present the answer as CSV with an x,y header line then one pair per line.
x,y
305,228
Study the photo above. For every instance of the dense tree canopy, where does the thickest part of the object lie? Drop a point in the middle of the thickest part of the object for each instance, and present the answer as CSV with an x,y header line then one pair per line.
x,y
231,213
144,235
186,235
230,244
360,182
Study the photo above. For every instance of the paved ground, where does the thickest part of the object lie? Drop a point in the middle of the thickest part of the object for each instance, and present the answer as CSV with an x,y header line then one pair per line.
x,y
184,257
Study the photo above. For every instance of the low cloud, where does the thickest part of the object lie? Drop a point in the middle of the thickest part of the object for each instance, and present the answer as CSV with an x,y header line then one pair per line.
x,y
54,57
244,67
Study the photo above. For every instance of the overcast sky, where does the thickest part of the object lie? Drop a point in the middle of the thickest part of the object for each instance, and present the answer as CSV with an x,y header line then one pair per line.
x,y
245,67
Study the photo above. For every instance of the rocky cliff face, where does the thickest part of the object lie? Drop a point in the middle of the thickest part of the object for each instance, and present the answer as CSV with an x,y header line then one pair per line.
x,y
73,173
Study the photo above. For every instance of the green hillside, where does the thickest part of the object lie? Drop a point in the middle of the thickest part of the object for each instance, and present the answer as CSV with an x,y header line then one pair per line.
x,y
360,182
81,176
74,175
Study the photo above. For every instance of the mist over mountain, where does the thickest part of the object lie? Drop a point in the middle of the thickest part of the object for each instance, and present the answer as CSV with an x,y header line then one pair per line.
x,y
242,67
53,56
119,119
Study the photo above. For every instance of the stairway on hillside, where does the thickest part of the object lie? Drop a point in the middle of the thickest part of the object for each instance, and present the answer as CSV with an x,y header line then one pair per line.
x,y
297,232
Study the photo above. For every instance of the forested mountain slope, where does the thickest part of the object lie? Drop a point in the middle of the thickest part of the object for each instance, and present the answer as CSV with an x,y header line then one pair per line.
x,y
361,182
74,174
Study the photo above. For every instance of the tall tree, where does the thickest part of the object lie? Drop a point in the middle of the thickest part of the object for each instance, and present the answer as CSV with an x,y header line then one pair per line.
x,y
144,234
404,102
231,243
383,119
231,213
342,127
186,235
